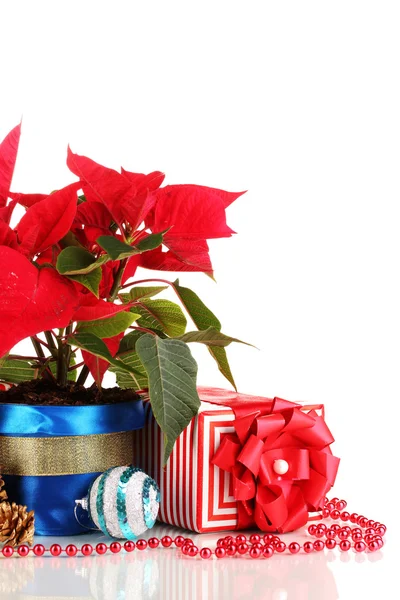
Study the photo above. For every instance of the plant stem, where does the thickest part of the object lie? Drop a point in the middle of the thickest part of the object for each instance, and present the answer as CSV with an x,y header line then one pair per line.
x,y
147,281
117,280
83,375
38,347
62,370
52,346
73,367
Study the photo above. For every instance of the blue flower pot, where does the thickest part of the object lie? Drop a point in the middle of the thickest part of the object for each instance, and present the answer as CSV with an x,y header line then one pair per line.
x,y
51,454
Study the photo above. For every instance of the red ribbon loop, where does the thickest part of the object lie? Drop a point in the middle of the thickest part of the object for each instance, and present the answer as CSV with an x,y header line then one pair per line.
x,y
275,496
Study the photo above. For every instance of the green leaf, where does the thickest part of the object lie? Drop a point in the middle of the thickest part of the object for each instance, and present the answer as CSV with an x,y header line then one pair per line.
x,y
15,371
107,328
172,373
220,357
129,356
151,242
203,318
74,260
210,337
115,248
96,346
91,280
198,311
162,315
137,293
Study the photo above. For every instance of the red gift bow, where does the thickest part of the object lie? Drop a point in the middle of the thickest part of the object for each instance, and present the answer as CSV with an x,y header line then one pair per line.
x,y
267,430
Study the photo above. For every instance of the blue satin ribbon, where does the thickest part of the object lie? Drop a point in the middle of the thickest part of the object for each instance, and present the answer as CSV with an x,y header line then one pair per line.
x,y
52,497
21,420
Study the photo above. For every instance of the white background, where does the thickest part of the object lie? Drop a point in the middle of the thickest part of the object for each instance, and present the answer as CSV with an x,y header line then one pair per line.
x,y
299,103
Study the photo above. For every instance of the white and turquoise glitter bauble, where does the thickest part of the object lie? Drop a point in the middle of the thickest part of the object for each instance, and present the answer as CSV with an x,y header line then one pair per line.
x,y
123,502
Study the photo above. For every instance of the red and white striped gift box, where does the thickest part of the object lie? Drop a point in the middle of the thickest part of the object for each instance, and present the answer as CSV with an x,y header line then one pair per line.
x,y
195,494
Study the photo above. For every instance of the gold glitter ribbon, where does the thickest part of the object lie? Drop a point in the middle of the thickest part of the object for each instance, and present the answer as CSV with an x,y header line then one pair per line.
x,y
70,455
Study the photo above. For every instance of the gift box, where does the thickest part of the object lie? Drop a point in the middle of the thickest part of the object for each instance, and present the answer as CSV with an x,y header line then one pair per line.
x,y
243,462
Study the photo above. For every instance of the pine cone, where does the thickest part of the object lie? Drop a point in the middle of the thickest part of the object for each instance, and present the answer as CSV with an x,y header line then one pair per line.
x,y
17,525
3,493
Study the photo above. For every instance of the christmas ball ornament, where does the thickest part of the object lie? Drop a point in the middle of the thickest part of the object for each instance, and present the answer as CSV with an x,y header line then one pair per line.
x,y
123,502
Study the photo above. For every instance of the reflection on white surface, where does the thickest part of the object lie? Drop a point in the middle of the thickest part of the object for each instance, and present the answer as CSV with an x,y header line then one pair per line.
x,y
166,575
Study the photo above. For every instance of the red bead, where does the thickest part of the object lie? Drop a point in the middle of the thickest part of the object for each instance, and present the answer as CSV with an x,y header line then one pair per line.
x,y
228,539
55,549
101,548
142,544
254,538
368,538
353,517
341,505
370,530
8,551
275,540
87,549
71,550
268,551
166,541
294,547
345,516
193,551
357,537
322,526
187,541
154,542
373,546
241,539
319,545
359,546
221,543
362,521
185,549
335,500
231,550
330,506
330,534
130,545
345,545
242,548
23,550
38,550
330,544
280,547
255,552
335,527
378,540
312,529
308,547
220,552
335,514
356,530
115,547
178,541
370,522
343,534
205,553
319,532
326,512
381,530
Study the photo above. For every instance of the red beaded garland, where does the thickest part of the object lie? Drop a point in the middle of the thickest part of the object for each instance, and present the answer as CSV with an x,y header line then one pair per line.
x,y
367,535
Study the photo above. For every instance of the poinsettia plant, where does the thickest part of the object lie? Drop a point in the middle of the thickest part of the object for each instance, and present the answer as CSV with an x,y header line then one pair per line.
x,y
66,282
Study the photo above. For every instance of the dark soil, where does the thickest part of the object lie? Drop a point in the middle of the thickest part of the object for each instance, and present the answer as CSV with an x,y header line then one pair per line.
x,y
43,392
